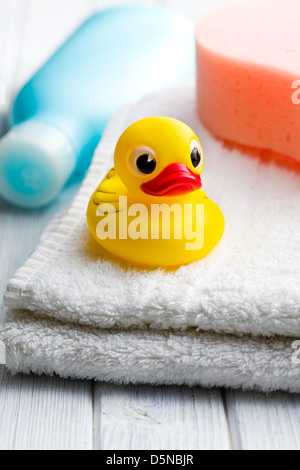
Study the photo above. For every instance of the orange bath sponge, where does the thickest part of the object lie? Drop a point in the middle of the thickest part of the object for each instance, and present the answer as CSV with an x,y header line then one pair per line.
x,y
248,55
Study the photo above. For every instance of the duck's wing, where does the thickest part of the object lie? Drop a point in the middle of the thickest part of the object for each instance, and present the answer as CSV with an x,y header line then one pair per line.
x,y
109,191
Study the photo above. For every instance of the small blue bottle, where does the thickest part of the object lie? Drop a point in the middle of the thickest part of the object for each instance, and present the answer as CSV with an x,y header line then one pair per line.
x,y
58,118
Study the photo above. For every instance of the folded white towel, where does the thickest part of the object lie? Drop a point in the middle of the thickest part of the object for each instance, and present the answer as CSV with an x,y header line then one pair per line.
x,y
229,319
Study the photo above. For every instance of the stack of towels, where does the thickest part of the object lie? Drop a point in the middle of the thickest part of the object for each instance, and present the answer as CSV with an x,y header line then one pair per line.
x,y
231,319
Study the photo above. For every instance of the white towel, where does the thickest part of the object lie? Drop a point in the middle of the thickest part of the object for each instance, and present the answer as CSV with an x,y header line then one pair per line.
x,y
228,320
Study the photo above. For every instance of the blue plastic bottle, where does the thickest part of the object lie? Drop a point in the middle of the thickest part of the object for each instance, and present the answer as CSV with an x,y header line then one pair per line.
x,y
114,58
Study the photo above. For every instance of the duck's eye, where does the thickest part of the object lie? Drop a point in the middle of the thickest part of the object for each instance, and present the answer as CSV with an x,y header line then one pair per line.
x,y
196,154
146,164
142,160
196,158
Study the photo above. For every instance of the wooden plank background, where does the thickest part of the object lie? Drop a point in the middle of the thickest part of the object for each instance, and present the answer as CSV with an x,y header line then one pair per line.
x,y
51,413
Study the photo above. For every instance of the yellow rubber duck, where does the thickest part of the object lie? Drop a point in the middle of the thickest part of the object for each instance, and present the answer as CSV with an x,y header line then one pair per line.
x,y
150,209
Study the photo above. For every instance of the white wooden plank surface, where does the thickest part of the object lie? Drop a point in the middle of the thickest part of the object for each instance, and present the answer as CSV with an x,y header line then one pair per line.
x,y
42,413
158,418
45,413
264,422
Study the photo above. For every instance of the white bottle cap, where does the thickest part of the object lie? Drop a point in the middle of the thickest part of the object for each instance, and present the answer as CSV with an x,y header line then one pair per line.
x,y
36,160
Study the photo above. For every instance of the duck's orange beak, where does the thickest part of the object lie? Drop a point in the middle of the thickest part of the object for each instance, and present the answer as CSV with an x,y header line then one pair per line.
x,y
176,179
